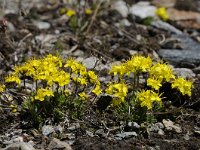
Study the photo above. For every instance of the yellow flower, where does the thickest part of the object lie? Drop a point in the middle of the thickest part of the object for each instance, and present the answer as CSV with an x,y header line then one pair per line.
x,y
147,98
162,13
80,80
97,90
156,84
161,71
118,69
93,77
71,12
119,91
138,64
88,11
67,92
183,86
62,78
2,88
83,96
12,78
76,67
42,93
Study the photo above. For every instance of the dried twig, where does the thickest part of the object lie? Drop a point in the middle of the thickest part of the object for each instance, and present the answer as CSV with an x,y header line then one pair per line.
x,y
93,17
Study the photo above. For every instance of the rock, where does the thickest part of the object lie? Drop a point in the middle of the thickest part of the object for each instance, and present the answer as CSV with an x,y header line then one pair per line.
x,y
121,7
164,3
57,144
11,27
184,72
154,128
143,10
42,25
187,136
19,146
78,53
101,133
189,5
26,146
177,15
161,132
47,129
90,62
185,19
197,130
197,70
125,22
166,26
187,65
74,126
189,53
170,126
159,125
175,56
89,133
125,135
59,129
133,125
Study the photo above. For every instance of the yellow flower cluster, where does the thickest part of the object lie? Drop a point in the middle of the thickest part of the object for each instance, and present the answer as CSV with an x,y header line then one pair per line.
x,y
12,79
147,98
136,64
70,12
50,70
162,13
158,73
183,86
42,93
119,91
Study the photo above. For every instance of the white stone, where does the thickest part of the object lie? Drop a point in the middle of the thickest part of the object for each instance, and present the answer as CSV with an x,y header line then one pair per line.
x,y
121,7
143,10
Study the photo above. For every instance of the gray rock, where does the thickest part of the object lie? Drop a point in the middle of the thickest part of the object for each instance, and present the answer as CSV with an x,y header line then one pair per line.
x,y
125,135
175,56
47,129
125,22
19,146
154,128
42,25
78,53
101,133
166,26
143,10
196,70
121,7
89,133
170,126
57,144
74,126
26,146
134,125
90,62
197,130
184,72
159,125
161,132
189,54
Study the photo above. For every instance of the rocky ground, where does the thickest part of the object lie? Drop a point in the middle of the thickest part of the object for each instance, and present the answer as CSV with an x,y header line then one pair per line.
x,y
119,30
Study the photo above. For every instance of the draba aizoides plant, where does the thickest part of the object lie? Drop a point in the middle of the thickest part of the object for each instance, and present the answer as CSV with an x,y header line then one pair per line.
x,y
61,86
142,100
65,87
